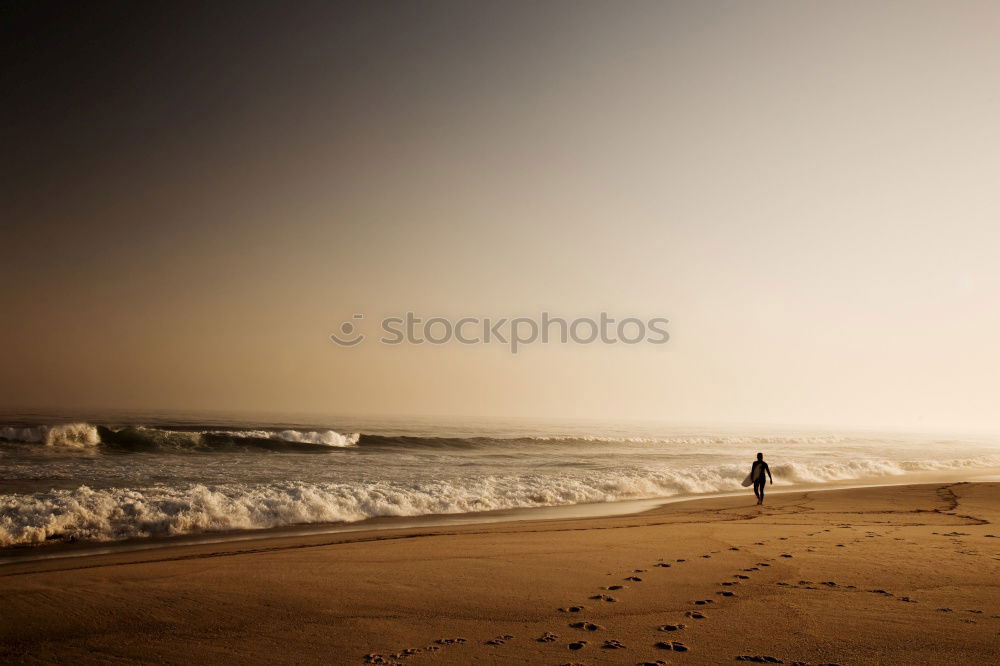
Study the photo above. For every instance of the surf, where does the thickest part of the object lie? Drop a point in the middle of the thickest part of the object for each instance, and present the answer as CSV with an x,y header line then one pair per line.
x,y
116,513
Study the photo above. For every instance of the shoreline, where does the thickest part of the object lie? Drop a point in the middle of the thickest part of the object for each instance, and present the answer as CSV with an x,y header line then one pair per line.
x,y
846,576
32,552
894,557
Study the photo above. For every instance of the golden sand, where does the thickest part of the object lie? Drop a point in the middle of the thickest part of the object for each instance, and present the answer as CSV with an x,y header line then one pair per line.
x,y
885,575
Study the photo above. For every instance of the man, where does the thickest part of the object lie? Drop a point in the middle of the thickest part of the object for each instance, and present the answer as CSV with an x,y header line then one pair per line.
x,y
757,474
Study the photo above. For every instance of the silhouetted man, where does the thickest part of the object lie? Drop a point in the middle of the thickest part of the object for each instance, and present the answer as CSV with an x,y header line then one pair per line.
x,y
757,474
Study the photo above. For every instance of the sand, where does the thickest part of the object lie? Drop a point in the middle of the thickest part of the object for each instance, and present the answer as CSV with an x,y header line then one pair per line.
x,y
885,575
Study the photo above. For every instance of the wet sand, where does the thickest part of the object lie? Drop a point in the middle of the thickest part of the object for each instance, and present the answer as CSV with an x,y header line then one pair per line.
x,y
898,574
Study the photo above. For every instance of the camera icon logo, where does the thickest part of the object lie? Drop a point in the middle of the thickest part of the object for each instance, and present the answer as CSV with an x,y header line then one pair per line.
x,y
351,337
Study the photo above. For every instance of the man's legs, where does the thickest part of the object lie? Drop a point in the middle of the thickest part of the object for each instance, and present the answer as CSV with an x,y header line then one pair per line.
x,y
758,490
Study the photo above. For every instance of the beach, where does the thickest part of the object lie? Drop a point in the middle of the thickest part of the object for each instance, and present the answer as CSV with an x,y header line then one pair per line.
x,y
877,575
444,333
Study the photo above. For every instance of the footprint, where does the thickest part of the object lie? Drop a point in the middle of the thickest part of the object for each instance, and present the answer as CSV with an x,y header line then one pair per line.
x,y
945,610
613,645
577,645
695,615
662,564
908,600
586,626
702,602
634,579
829,583
638,571
759,660
742,577
614,587
785,555
572,609
672,627
682,560
449,641
658,662
604,597
676,646
547,637
734,548
763,564
706,556
499,640
730,582
725,593
882,592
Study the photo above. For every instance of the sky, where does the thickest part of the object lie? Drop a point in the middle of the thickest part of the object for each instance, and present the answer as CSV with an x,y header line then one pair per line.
x,y
195,196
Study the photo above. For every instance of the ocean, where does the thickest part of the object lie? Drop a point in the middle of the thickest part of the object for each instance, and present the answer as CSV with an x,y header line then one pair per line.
x,y
143,476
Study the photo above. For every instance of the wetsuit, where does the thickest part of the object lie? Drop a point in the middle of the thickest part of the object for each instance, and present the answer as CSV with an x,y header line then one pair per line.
x,y
761,480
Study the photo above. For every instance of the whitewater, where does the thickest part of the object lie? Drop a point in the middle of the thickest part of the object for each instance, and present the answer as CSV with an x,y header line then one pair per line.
x,y
108,481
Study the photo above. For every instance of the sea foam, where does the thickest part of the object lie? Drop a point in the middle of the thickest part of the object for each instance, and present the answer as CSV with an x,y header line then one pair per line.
x,y
86,513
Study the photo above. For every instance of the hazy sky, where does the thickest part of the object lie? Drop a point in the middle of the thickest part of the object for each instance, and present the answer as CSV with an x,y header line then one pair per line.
x,y
194,197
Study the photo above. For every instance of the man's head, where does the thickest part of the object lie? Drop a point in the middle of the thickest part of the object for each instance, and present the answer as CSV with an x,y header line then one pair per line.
x,y
760,456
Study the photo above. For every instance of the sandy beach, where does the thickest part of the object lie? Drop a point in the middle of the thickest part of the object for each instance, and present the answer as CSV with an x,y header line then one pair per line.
x,y
882,575
447,333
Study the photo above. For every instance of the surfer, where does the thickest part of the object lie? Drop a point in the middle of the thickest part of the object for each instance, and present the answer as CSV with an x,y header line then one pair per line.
x,y
757,475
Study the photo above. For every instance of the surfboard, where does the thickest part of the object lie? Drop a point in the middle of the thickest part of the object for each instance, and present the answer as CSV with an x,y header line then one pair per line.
x,y
752,476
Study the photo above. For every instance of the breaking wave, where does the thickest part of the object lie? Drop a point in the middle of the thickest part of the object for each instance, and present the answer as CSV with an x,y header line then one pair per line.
x,y
66,435
142,438
864,468
120,513
84,436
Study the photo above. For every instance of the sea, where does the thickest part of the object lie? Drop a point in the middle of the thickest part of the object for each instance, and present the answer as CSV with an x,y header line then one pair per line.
x,y
134,477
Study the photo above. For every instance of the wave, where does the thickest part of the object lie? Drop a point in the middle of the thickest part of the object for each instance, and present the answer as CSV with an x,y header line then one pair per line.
x,y
321,437
701,439
84,436
669,440
65,435
121,513
863,468
115,514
